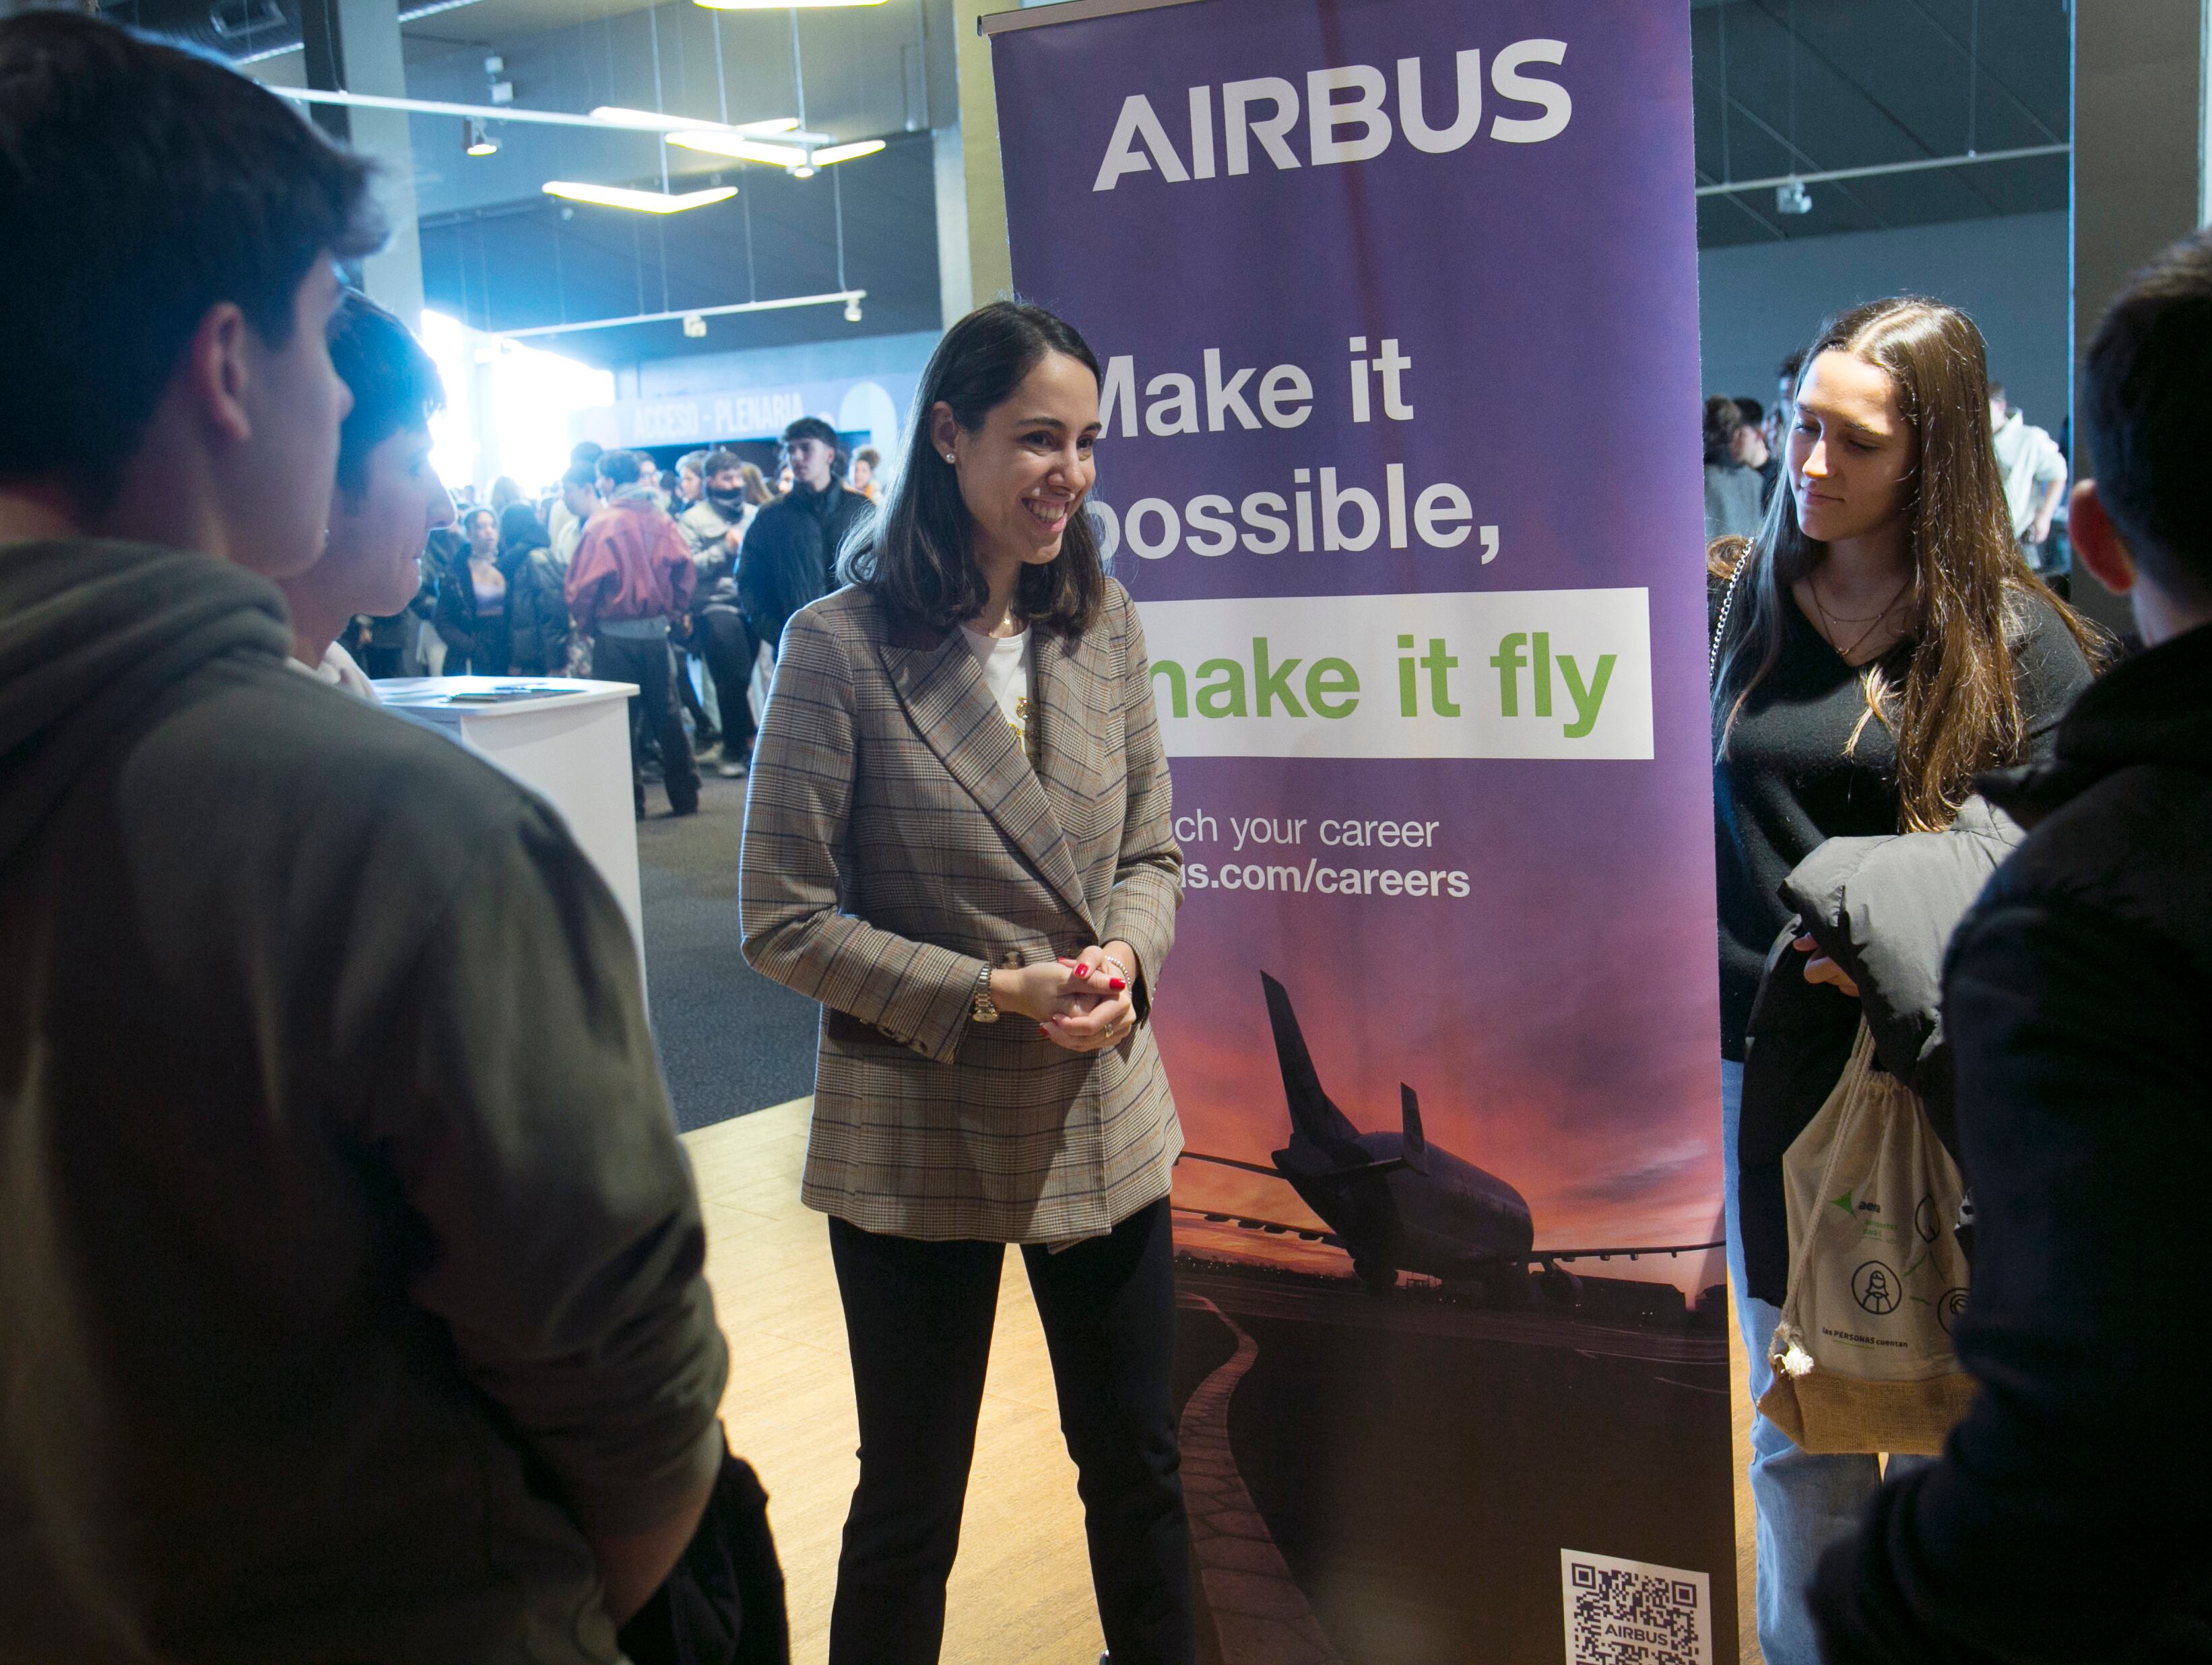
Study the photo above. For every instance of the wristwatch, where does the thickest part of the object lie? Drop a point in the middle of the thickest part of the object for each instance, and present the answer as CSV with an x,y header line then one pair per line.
x,y
981,1007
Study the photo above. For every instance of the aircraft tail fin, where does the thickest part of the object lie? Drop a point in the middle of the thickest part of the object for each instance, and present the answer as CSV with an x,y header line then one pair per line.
x,y
1417,1143
1312,1114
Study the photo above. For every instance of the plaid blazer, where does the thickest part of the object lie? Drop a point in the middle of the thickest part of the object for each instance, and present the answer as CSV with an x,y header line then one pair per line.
x,y
897,841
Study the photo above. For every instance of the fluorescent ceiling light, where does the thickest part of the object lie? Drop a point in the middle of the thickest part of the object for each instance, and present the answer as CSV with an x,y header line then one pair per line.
x,y
800,160
845,152
719,143
778,5
653,121
645,202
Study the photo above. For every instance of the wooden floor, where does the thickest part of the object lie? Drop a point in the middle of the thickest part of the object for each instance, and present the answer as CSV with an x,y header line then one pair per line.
x,y
1021,1591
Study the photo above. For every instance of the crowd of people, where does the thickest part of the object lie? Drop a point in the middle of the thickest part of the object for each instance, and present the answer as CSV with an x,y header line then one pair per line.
x,y
351,1275
618,575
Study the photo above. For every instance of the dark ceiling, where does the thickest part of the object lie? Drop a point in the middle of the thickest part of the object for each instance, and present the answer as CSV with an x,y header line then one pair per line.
x,y
546,262
1804,86
1782,88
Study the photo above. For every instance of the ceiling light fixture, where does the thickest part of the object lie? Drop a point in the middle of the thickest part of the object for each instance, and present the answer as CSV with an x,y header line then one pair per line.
x,y
853,310
845,152
476,141
652,121
802,161
644,202
718,143
1792,198
778,5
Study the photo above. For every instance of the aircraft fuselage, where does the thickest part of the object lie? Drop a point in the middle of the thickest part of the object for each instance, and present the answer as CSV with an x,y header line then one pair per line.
x,y
1449,1220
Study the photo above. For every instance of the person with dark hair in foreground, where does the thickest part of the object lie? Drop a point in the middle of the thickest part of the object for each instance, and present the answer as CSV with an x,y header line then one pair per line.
x,y
350,1267
959,814
631,579
791,549
2076,994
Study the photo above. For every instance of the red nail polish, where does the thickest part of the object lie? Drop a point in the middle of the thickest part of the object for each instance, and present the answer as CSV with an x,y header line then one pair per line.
x,y
1117,985
1081,971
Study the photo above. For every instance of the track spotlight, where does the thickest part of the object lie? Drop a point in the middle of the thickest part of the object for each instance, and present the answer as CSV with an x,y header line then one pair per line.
x,y
1792,199
476,140
852,309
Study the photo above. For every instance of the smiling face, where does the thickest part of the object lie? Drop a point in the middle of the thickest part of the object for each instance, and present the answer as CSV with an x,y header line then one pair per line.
x,y
1852,455
1024,472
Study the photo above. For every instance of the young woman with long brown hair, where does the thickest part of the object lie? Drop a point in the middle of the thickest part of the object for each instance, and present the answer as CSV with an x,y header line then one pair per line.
x,y
1875,646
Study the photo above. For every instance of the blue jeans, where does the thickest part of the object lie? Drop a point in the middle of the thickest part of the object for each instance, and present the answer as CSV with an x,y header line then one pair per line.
x,y
1804,1503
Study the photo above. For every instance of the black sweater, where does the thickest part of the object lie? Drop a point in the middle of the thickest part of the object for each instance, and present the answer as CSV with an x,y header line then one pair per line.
x,y
2066,1520
789,556
1793,778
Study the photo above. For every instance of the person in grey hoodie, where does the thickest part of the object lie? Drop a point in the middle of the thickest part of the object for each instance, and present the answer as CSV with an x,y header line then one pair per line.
x,y
350,1293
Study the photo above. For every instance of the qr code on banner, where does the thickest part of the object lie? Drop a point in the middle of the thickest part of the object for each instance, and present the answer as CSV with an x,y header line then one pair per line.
x,y
1631,1613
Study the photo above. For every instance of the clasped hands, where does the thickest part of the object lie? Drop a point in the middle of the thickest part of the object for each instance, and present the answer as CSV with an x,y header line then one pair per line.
x,y
1083,1004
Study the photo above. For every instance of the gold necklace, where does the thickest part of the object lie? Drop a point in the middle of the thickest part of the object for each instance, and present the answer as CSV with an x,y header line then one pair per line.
x,y
1812,586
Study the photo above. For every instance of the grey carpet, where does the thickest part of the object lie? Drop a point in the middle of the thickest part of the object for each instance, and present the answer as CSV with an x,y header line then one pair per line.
x,y
731,1041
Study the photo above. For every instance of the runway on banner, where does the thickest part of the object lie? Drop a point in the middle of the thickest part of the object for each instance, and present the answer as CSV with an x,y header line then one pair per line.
x,y
1385,1480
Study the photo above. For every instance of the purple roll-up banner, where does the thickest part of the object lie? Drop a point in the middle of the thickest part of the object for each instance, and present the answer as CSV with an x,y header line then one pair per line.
x,y
1397,301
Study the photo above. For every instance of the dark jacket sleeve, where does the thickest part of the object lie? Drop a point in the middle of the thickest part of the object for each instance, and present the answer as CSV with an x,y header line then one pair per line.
x,y
759,560
456,616
519,1109
548,616
2064,1521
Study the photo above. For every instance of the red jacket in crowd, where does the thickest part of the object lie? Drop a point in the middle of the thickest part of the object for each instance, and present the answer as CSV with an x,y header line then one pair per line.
x,y
632,563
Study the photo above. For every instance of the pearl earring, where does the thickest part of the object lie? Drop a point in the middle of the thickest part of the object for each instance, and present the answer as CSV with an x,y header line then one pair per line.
x,y
948,456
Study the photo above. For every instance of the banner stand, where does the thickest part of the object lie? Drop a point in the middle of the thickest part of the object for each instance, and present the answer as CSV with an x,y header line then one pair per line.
x,y
1396,302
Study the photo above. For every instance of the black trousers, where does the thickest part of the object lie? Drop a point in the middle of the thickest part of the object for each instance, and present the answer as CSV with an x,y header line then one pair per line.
x,y
727,647
645,660
918,1317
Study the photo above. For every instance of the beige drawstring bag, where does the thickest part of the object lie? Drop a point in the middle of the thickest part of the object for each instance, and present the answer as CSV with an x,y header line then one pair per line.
x,y
1863,1357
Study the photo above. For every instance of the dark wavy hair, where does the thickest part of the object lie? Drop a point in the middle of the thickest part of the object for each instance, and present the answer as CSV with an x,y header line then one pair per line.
x,y
918,557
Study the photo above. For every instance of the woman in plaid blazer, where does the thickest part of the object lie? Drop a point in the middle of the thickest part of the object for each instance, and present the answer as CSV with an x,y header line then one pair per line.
x,y
958,840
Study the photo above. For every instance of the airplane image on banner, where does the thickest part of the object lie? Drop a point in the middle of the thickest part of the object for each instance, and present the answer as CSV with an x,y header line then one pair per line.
x,y
1394,1202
